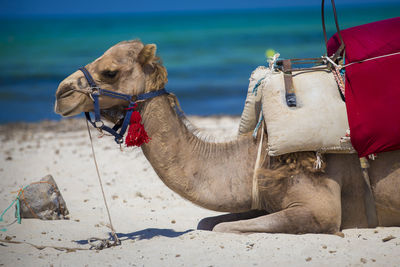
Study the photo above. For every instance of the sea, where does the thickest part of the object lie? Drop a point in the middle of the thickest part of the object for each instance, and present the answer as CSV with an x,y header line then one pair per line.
x,y
209,55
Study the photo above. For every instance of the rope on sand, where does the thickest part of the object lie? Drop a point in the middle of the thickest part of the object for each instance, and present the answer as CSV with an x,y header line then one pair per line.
x,y
17,212
17,200
104,243
40,247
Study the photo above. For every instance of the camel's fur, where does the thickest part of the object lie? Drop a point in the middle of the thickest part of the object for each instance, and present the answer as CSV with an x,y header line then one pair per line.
x,y
274,179
219,176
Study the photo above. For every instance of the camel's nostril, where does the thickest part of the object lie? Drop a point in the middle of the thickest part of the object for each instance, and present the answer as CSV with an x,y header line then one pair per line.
x,y
64,91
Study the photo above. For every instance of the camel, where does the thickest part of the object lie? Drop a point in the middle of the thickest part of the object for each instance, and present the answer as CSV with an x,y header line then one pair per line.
x,y
294,197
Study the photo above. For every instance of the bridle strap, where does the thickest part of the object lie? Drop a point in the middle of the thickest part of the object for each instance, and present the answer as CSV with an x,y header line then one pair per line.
x,y
96,91
151,94
88,77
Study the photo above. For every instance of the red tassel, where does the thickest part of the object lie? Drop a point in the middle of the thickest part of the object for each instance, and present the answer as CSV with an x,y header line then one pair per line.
x,y
136,133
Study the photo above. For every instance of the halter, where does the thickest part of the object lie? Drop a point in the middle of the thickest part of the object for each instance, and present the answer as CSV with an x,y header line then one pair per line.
x,y
95,91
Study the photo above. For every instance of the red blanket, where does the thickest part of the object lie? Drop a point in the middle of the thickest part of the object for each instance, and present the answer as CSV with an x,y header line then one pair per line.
x,y
372,87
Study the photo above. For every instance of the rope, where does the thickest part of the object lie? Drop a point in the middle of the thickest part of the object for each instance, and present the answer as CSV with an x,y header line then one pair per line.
x,y
273,60
255,197
40,247
260,120
372,58
17,200
17,213
318,162
357,62
339,80
332,62
176,105
104,242
255,89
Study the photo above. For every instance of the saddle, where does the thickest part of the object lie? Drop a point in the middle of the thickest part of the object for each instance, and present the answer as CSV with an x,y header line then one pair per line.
x,y
362,60
360,92
371,56
311,117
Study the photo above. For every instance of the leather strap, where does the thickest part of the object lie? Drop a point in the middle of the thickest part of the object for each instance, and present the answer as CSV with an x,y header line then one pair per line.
x,y
318,63
369,201
342,45
287,77
96,91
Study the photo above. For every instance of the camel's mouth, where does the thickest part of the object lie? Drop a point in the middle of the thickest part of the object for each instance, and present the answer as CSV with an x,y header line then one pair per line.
x,y
65,94
68,101
71,103
67,108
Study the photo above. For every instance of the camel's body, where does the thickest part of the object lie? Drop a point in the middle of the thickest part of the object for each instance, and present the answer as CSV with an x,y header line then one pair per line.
x,y
220,176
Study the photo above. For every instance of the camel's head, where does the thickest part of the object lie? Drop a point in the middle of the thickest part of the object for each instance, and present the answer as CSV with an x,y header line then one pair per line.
x,y
128,67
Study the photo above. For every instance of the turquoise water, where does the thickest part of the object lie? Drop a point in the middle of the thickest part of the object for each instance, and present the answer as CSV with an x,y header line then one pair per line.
x,y
209,55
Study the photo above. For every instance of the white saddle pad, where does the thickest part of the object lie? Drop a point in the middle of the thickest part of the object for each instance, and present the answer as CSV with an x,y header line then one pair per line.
x,y
316,124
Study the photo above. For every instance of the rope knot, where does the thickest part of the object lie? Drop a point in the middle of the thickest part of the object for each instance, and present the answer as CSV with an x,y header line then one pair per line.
x,y
133,107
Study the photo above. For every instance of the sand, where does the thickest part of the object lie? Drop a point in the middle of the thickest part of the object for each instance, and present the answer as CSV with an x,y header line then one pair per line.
x,y
157,227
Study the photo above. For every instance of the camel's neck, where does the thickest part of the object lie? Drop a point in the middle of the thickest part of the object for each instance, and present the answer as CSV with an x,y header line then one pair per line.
x,y
216,176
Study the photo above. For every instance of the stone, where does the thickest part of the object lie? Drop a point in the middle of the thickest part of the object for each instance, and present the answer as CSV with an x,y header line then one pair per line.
x,y
43,200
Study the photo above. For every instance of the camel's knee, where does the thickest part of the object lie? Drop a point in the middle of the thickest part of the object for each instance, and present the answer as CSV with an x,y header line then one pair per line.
x,y
315,209
327,221
318,219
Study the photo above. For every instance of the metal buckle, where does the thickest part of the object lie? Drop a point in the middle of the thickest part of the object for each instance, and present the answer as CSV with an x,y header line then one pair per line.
x,y
96,123
95,90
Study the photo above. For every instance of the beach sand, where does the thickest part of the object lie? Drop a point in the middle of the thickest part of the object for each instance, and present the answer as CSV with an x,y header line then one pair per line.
x,y
156,226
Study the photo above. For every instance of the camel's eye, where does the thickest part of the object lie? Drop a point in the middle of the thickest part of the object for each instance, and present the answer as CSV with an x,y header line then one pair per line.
x,y
109,74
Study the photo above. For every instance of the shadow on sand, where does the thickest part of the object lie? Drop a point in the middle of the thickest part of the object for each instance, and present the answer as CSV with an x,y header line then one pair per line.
x,y
148,233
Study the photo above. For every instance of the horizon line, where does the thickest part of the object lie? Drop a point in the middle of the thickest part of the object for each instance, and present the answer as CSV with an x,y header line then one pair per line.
x,y
191,11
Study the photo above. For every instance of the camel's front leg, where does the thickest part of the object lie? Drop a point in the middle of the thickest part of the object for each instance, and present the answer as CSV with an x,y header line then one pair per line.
x,y
210,222
306,208
293,220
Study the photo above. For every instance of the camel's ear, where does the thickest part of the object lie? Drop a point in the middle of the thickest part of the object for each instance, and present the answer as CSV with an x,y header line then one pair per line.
x,y
147,54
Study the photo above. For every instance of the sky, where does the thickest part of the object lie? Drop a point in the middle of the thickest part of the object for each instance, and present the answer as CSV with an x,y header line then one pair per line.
x,y
73,7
